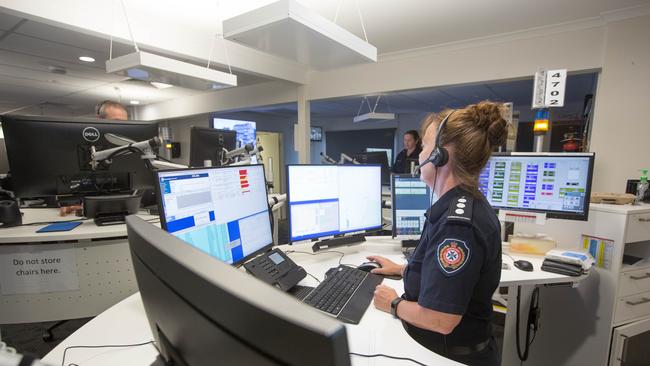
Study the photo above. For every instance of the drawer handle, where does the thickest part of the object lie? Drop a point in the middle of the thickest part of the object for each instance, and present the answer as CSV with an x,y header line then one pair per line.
x,y
635,303
643,219
647,275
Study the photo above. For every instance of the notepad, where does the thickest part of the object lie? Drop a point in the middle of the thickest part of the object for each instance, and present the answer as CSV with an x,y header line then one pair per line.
x,y
59,226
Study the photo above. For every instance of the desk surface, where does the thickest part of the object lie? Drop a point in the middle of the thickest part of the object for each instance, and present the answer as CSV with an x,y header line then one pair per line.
x,y
378,332
87,230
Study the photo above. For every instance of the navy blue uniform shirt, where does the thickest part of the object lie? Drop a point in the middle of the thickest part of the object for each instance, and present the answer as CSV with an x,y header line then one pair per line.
x,y
403,161
456,267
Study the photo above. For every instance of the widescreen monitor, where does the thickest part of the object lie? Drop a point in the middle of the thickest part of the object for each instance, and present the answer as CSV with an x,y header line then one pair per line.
x,y
376,158
558,184
246,130
203,312
327,200
222,211
50,156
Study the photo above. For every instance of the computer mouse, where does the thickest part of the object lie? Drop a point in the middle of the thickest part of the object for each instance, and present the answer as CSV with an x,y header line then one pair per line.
x,y
524,265
368,266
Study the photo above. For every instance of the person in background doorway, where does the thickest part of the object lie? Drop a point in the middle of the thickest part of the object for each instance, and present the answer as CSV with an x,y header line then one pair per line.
x,y
412,149
109,109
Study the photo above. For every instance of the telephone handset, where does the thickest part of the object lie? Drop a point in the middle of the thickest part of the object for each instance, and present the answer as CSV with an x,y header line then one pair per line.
x,y
277,269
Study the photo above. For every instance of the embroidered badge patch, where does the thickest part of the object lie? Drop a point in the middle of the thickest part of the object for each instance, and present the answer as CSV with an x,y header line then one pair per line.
x,y
452,255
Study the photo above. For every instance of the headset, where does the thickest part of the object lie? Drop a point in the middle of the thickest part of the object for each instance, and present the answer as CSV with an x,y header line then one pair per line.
x,y
439,156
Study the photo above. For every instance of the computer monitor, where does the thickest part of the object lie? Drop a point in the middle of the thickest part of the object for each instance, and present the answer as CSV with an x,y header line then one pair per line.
x,y
411,198
208,144
329,200
223,211
246,130
558,184
376,158
389,153
202,311
50,156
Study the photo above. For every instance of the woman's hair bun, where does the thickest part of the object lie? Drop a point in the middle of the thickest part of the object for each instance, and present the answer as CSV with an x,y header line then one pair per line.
x,y
489,117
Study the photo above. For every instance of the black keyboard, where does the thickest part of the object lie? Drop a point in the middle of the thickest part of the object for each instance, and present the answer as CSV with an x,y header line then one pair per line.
x,y
300,292
345,293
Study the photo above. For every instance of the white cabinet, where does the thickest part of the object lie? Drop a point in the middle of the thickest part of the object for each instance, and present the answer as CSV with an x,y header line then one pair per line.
x,y
606,320
630,344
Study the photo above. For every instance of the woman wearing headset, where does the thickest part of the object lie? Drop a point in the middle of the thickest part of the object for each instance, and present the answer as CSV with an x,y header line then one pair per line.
x,y
456,267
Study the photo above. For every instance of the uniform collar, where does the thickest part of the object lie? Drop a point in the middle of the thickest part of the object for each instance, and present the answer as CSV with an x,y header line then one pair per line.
x,y
442,205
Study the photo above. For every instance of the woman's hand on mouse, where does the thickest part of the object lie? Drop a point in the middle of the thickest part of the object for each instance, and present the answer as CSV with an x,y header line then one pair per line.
x,y
383,297
388,267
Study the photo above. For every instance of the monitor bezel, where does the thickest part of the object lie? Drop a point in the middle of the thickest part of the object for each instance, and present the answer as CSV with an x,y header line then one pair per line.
x,y
163,221
322,235
553,214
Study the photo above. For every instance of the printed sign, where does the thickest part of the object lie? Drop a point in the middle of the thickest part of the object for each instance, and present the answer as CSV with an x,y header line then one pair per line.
x,y
599,248
32,269
549,88
555,85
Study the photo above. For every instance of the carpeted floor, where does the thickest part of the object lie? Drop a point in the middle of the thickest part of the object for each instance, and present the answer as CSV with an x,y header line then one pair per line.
x,y
28,338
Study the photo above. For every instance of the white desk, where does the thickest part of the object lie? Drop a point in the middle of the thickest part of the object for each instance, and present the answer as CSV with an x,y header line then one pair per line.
x,y
99,257
378,332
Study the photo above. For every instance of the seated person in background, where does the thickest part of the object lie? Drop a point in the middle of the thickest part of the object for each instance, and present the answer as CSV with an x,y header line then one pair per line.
x,y
109,109
456,267
412,149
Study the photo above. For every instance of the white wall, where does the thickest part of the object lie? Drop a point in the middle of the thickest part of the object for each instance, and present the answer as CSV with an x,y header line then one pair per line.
x,y
619,47
621,127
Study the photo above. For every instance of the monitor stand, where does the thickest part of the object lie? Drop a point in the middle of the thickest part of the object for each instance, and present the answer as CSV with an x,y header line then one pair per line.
x,y
338,242
165,347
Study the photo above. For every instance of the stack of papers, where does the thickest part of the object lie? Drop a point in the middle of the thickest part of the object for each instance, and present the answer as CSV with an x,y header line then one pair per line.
x,y
567,262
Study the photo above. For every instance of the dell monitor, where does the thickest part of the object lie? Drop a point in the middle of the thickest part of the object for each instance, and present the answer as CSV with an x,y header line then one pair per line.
x,y
203,312
376,158
222,211
557,184
411,198
50,156
327,200
207,145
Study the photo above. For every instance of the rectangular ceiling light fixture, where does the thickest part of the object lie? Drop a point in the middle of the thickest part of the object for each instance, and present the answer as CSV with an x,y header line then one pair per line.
x,y
373,116
288,29
154,68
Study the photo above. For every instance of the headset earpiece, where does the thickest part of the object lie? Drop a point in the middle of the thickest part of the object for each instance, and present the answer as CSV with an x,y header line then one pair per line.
x,y
439,156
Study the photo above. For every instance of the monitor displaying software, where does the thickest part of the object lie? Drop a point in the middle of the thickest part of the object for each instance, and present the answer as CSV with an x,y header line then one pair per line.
x,y
411,199
328,200
221,211
556,184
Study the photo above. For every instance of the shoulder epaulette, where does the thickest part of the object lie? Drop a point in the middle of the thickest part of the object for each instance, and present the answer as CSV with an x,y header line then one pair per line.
x,y
460,209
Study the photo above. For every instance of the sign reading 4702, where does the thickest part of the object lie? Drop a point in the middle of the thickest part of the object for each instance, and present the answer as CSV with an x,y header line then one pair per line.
x,y
549,88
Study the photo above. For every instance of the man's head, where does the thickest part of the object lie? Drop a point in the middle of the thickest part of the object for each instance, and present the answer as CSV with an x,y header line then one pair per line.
x,y
111,110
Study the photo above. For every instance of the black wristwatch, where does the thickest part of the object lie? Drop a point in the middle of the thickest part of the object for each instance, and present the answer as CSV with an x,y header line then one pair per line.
x,y
393,306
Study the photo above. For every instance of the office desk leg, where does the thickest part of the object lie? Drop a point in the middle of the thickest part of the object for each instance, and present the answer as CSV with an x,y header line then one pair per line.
x,y
509,355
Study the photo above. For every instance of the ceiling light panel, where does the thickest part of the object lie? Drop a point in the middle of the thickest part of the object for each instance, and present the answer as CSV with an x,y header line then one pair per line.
x,y
154,68
288,29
